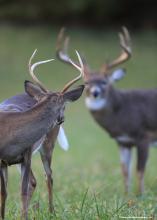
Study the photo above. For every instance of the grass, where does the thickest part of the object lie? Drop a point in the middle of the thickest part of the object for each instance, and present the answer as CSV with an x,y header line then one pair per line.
x,y
87,178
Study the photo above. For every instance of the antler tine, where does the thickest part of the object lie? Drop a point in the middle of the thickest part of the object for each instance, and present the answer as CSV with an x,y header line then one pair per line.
x,y
62,53
126,48
33,66
79,68
125,54
125,41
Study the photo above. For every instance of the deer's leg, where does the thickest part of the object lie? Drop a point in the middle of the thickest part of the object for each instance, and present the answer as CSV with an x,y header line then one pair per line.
x,y
25,175
4,180
46,156
142,156
46,160
32,183
125,159
31,186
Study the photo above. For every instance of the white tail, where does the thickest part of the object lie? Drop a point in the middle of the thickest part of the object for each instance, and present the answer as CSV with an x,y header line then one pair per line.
x,y
62,139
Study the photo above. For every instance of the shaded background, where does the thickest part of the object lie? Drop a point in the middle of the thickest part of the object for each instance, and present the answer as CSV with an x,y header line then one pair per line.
x,y
92,162
140,13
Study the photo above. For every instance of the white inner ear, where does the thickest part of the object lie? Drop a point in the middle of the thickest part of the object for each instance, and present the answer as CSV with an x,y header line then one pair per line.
x,y
117,75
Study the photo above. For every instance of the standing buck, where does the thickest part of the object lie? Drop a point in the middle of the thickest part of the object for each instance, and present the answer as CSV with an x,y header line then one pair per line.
x,y
24,127
130,117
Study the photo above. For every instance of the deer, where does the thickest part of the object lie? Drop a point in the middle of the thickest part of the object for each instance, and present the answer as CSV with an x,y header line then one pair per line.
x,y
22,131
44,146
128,116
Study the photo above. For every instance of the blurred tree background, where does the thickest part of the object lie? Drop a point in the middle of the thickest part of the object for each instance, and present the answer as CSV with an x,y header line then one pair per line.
x,y
136,13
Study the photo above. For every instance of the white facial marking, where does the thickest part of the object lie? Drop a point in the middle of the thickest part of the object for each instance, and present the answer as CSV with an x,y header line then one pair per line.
x,y
95,104
95,89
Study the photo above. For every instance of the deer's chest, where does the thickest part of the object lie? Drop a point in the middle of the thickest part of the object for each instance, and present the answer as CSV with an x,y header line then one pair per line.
x,y
114,124
12,154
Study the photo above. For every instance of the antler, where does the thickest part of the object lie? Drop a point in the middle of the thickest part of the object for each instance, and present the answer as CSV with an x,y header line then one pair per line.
x,y
80,68
125,54
62,53
33,66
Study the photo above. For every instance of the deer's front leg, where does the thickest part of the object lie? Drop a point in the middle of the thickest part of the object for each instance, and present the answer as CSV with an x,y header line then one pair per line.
x,y
125,159
32,186
46,156
142,156
25,175
46,160
4,180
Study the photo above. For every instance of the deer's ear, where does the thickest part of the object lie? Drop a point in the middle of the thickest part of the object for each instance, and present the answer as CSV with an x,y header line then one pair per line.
x,y
74,94
117,75
33,90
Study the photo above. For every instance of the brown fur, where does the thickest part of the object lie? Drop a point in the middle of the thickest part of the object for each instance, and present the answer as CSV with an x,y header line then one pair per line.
x,y
21,130
127,113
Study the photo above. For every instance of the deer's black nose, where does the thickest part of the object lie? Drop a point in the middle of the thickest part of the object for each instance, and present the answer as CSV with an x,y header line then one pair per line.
x,y
95,93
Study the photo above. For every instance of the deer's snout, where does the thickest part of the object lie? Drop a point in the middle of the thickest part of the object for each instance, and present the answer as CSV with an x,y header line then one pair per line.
x,y
95,94
95,91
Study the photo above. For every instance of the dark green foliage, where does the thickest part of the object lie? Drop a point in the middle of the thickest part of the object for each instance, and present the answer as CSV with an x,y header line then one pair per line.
x,y
100,12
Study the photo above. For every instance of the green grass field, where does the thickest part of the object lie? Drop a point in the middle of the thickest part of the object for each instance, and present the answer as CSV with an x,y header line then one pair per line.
x,y
87,179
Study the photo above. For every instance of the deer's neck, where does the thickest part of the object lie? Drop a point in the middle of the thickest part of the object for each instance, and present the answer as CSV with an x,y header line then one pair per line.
x,y
25,128
41,116
114,100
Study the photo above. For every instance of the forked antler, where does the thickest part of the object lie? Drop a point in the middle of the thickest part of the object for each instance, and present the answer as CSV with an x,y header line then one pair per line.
x,y
62,53
69,84
125,54
80,68
33,66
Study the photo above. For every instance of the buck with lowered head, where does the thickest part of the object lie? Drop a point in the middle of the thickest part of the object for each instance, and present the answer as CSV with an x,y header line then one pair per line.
x,y
22,131
129,116
23,102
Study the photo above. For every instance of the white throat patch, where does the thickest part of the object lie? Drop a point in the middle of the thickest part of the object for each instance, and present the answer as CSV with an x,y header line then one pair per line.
x,y
95,104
